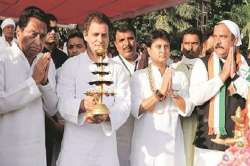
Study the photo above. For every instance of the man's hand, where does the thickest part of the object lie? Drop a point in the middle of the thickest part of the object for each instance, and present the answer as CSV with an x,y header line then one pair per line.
x,y
166,86
47,57
97,119
102,118
40,72
229,68
88,104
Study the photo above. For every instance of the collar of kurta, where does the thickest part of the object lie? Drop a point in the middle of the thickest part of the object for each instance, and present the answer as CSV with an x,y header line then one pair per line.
x,y
128,62
155,71
106,58
131,67
188,61
9,44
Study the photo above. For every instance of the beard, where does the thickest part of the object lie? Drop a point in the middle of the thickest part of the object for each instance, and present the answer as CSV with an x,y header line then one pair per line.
x,y
189,53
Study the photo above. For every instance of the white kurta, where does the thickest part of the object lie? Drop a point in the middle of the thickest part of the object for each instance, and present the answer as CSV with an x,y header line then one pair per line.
x,y
4,43
185,65
189,124
124,134
83,143
22,135
202,90
157,138
132,66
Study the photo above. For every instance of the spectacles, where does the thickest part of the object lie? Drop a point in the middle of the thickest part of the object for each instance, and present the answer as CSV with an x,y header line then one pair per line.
x,y
50,29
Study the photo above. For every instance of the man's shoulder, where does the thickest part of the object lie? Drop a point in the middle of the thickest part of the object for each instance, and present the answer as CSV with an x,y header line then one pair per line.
x,y
179,65
9,52
180,75
204,60
1,38
2,43
116,58
4,52
59,57
140,73
74,60
139,77
116,65
61,53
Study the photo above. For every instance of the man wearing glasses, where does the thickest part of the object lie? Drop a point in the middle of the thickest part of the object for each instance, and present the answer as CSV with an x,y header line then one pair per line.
x,y
53,126
51,42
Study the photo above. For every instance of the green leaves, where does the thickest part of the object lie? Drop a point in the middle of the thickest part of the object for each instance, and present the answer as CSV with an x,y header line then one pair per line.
x,y
188,14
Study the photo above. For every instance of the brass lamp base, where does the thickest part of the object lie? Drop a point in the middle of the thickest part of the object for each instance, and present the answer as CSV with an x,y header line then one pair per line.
x,y
100,110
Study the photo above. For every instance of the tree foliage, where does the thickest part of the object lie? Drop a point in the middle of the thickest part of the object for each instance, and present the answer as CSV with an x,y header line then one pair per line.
x,y
176,19
173,20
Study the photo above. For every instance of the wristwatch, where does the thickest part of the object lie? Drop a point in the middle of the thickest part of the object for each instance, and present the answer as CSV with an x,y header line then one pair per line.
x,y
45,83
159,95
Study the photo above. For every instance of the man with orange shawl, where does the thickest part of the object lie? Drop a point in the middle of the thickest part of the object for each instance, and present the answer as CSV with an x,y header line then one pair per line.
x,y
218,85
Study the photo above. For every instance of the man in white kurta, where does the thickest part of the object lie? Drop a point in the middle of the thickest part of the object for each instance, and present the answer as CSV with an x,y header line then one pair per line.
x,y
23,97
162,126
125,42
191,49
160,95
8,29
209,75
84,142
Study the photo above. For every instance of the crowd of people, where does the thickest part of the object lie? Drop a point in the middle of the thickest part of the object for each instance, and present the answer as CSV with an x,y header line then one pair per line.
x,y
163,111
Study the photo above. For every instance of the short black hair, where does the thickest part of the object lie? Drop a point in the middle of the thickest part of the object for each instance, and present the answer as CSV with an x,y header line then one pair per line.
x,y
51,17
96,17
75,33
156,34
125,27
32,11
192,31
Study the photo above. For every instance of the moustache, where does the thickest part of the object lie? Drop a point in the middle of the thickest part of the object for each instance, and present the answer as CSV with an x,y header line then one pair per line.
x,y
128,48
218,45
187,52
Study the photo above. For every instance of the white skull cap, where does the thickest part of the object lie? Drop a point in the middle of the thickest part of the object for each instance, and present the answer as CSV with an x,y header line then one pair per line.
x,y
234,29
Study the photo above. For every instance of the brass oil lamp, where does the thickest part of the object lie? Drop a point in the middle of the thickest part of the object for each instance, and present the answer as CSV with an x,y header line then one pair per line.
x,y
100,109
